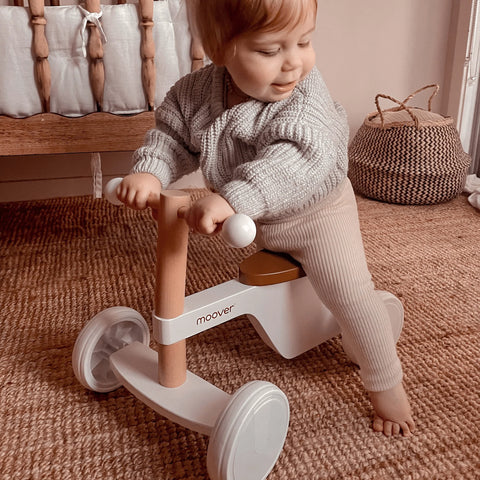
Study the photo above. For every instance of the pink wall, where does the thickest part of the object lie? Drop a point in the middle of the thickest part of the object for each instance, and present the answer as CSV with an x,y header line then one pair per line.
x,y
382,46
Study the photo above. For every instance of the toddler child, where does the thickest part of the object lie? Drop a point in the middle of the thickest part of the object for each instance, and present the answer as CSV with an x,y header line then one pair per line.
x,y
262,127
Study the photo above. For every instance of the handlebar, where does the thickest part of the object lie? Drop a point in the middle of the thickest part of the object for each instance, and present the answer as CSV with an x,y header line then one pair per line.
x,y
238,231
110,191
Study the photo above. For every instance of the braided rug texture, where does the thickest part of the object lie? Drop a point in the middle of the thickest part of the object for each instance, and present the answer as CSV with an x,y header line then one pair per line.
x,y
64,260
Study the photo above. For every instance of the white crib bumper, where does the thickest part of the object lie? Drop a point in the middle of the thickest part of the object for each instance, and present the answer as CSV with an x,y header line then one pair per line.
x,y
70,91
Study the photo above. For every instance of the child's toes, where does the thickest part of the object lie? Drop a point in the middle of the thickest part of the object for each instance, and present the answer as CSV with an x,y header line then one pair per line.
x,y
377,424
407,428
388,428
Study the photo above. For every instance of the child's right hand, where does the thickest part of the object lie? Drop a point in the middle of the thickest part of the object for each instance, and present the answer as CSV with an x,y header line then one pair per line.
x,y
139,191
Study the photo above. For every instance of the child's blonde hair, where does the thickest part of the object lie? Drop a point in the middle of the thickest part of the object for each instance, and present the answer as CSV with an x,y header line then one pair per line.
x,y
220,21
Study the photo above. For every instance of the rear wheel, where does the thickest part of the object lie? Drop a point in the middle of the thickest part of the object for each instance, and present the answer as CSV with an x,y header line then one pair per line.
x,y
108,331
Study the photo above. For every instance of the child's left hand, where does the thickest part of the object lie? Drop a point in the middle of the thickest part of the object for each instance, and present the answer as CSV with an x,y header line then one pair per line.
x,y
207,214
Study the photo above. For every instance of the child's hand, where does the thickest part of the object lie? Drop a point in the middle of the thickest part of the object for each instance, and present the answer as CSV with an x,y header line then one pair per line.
x,y
208,213
139,191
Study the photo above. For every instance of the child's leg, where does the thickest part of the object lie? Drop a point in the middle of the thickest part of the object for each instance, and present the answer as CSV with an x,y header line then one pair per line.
x,y
326,239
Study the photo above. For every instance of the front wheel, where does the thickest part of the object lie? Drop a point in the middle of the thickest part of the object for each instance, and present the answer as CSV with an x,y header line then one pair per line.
x,y
249,434
108,331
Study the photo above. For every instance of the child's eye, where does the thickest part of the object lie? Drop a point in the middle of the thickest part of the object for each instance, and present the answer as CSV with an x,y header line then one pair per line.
x,y
304,44
268,53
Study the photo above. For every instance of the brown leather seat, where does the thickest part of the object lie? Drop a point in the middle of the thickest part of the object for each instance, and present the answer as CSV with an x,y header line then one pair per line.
x,y
268,268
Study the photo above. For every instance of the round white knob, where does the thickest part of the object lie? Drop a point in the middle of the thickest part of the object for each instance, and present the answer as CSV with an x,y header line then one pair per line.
x,y
239,230
110,191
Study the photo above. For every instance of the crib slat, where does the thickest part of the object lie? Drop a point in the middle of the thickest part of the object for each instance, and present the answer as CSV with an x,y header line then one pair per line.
x,y
40,52
48,133
197,53
147,51
95,52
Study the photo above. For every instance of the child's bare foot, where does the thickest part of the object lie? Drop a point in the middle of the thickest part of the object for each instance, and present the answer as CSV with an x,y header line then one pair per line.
x,y
393,415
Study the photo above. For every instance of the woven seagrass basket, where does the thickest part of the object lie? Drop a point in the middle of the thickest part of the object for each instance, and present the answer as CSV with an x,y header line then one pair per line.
x,y
408,155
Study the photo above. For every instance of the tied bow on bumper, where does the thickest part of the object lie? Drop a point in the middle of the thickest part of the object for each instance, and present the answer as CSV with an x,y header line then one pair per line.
x,y
92,17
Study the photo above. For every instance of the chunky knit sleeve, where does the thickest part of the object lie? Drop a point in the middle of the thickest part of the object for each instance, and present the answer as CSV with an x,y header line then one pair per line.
x,y
169,150
301,156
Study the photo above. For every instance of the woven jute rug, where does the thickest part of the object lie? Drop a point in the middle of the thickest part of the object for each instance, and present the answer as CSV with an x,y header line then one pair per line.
x,y
62,261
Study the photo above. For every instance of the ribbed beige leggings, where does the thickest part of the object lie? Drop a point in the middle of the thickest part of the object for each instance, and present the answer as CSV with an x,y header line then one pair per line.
x,y
326,240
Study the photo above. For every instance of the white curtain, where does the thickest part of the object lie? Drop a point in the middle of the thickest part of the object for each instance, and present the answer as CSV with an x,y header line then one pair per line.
x,y
468,119
475,139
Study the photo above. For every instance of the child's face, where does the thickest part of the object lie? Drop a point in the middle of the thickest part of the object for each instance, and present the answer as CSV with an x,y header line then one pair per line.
x,y
268,65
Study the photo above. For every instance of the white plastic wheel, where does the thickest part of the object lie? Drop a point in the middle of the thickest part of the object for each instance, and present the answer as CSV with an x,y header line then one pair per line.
x,y
249,434
396,315
108,331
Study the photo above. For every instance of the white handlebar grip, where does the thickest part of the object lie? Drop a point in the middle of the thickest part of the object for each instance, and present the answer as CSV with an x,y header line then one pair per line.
x,y
239,230
110,191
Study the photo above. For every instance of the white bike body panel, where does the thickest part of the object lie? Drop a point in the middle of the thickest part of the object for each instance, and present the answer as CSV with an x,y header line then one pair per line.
x,y
288,316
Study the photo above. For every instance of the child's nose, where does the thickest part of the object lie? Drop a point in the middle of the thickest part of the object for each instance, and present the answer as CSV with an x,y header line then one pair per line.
x,y
292,61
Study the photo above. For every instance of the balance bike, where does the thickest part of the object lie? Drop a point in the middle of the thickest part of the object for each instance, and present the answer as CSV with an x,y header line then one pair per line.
x,y
247,430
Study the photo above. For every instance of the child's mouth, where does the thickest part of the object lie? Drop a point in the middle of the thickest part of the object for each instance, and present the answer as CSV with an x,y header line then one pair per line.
x,y
284,87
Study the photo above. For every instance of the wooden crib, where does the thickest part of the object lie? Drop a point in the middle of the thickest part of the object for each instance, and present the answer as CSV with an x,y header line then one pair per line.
x,y
48,132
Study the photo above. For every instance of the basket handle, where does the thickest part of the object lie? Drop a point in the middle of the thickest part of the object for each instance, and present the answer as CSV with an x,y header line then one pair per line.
x,y
403,104
436,88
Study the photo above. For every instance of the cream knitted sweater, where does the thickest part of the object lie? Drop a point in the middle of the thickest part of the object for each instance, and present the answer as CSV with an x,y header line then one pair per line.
x,y
268,160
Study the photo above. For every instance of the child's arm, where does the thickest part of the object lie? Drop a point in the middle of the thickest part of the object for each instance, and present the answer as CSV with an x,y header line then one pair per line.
x,y
297,163
284,178
171,150
139,191
207,214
